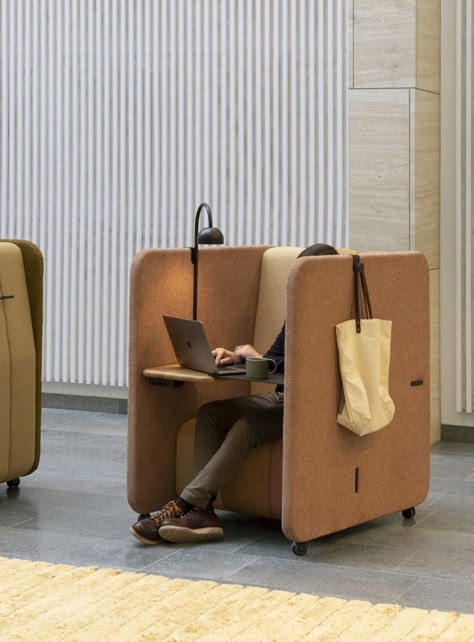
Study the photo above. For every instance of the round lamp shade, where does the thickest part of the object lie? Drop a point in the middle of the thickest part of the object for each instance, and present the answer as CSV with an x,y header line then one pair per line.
x,y
210,236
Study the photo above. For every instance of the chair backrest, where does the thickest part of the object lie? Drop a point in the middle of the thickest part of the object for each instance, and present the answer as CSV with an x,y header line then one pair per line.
x,y
271,303
270,312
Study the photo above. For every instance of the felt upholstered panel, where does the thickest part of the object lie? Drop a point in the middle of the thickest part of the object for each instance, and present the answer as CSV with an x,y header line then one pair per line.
x,y
309,477
17,367
33,265
161,283
320,457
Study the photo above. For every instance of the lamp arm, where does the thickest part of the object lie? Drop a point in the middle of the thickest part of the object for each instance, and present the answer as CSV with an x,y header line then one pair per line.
x,y
195,282
195,252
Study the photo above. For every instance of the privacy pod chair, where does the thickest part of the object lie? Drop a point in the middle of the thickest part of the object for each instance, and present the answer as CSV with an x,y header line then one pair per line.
x,y
308,480
21,327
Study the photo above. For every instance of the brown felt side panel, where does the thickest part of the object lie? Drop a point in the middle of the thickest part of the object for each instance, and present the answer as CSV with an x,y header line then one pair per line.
x,y
161,283
319,456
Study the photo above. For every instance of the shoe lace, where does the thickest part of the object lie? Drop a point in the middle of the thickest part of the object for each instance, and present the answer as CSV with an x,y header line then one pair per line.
x,y
169,511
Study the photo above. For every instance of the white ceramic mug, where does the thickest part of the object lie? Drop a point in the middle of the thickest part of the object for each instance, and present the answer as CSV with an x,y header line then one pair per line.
x,y
260,367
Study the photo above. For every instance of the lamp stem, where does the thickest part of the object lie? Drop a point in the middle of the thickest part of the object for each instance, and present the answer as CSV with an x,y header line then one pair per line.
x,y
195,280
195,252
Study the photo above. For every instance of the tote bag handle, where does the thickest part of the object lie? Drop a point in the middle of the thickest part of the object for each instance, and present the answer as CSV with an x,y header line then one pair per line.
x,y
359,274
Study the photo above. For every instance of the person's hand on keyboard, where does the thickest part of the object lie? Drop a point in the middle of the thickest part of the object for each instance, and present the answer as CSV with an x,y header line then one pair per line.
x,y
224,357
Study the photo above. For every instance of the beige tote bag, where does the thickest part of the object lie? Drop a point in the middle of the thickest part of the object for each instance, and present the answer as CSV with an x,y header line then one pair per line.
x,y
364,362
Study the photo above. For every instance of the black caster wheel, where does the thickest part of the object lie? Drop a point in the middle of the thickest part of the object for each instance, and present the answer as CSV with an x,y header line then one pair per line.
x,y
143,515
408,513
299,548
13,483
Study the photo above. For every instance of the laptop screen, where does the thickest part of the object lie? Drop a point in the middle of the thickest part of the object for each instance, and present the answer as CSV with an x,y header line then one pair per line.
x,y
192,348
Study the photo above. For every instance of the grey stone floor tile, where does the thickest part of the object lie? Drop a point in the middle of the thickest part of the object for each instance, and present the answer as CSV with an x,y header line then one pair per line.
x,y
441,594
431,498
126,554
54,500
93,453
80,421
230,544
453,447
410,542
62,480
80,522
441,484
350,555
74,509
273,545
441,561
13,513
452,521
79,549
455,502
241,530
197,562
324,579
41,545
391,531
452,466
115,489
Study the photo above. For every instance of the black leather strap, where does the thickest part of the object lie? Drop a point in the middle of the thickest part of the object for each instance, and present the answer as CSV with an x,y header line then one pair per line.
x,y
358,269
355,268
365,293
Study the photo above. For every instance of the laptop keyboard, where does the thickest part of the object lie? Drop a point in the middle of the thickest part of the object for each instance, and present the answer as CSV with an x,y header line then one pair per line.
x,y
231,369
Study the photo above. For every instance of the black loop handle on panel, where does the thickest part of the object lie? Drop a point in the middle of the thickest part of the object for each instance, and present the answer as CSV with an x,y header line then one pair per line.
x,y
358,269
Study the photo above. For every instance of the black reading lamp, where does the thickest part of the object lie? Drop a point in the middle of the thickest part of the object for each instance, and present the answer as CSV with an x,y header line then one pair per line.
x,y
207,236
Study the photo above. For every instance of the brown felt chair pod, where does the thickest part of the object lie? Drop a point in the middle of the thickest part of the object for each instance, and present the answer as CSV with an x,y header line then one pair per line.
x,y
320,478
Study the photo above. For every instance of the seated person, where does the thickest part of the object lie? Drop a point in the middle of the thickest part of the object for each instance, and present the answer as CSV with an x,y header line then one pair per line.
x,y
226,431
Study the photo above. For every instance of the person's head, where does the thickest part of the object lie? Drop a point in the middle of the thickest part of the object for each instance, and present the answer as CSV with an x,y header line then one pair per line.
x,y
318,249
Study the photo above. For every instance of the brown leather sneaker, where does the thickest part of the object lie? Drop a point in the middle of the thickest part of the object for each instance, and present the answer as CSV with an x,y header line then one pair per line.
x,y
200,524
146,529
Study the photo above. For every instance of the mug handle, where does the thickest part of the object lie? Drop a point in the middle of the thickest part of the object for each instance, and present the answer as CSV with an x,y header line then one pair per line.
x,y
275,365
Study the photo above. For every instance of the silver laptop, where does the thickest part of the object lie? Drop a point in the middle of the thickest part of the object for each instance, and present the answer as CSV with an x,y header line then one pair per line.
x,y
192,349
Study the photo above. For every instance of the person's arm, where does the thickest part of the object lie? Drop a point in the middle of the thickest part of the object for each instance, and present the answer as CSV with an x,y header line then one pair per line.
x,y
240,353
277,351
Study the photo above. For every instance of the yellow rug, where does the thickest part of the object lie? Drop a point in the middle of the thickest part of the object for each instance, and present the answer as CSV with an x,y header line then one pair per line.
x,y
43,602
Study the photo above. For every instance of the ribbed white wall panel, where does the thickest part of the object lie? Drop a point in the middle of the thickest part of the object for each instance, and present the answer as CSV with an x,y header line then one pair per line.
x,y
464,207
118,117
